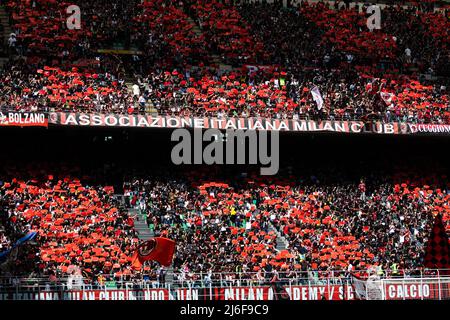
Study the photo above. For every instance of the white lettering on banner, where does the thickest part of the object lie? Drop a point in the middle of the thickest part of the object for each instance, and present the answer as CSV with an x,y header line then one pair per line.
x,y
142,122
257,125
154,295
328,127
349,294
149,294
111,121
84,120
91,296
340,127
155,122
270,126
173,123
378,128
388,128
220,121
439,128
123,123
71,120
408,291
186,122
77,295
300,126
393,289
413,291
283,126
355,127
304,293
241,125
331,293
199,123
185,294
313,295
97,120
48,296
26,118
244,293
270,295
312,126
321,291
231,123
102,296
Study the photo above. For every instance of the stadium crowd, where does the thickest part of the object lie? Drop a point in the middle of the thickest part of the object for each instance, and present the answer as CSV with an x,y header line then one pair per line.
x,y
80,226
301,222
329,225
212,58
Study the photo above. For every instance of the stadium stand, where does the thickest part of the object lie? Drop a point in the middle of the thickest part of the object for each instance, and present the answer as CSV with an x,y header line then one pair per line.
x,y
324,213
328,226
323,217
397,73
77,224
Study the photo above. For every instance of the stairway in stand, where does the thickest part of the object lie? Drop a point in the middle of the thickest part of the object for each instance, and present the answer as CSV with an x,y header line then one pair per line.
x,y
145,233
4,22
140,225
282,243
149,107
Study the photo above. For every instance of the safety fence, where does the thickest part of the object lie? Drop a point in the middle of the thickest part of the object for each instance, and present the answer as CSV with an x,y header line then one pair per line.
x,y
434,287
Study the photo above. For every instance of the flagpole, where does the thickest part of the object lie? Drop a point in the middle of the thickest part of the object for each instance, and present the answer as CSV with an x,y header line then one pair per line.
x,y
210,291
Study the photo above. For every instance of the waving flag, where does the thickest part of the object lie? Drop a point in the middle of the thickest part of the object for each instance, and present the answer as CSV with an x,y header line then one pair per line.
x,y
359,286
4,255
368,289
155,249
317,97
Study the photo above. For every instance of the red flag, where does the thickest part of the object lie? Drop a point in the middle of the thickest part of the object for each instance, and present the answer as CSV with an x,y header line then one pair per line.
x,y
136,264
155,249
437,253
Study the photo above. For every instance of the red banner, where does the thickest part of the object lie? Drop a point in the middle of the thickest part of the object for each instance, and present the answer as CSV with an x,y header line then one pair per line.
x,y
408,289
393,289
140,121
17,119
150,294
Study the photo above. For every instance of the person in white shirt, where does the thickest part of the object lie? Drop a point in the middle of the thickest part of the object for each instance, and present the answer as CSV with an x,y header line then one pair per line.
x,y
142,101
136,90
408,55
408,52
12,42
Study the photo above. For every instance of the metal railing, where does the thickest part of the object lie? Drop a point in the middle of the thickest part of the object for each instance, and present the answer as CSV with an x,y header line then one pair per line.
x,y
339,289
430,284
